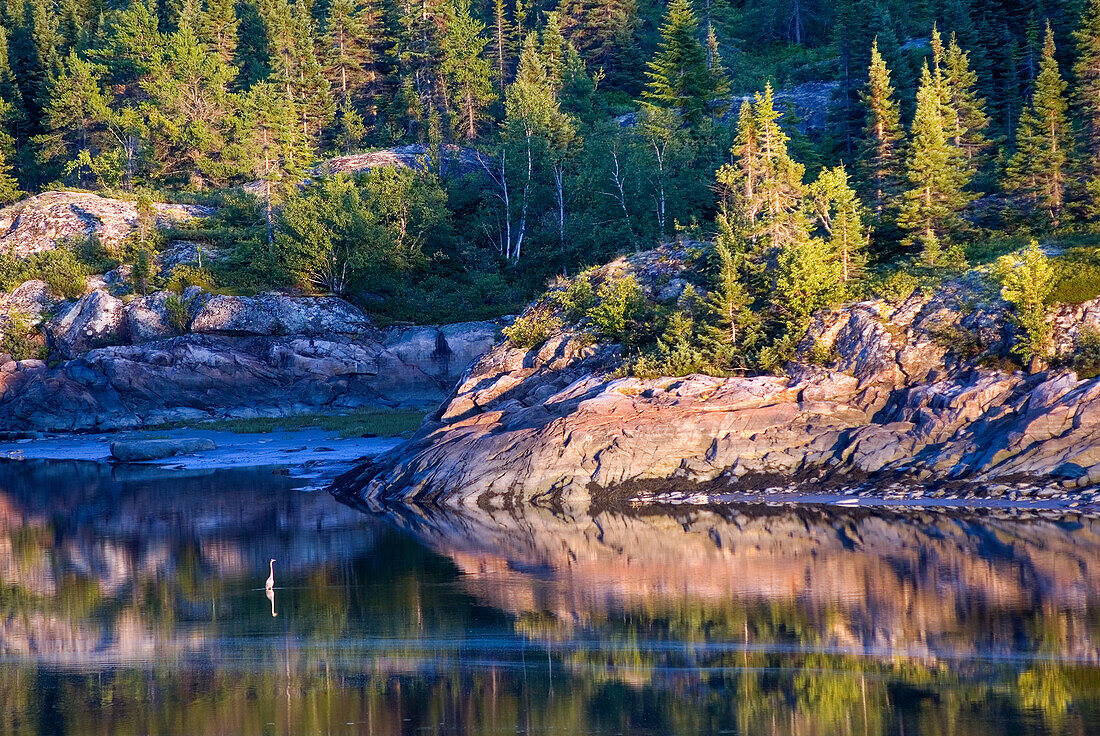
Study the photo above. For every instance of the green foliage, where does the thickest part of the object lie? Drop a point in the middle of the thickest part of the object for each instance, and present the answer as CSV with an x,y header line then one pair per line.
x,y
1037,171
618,303
141,271
576,298
184,276
18,338
339,232
1027,281
1086,354
897,286
1076,276
61,269
532,328
679,78
178,318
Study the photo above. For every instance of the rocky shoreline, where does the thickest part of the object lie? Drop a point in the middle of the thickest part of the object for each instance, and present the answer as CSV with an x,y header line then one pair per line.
x,y
894,405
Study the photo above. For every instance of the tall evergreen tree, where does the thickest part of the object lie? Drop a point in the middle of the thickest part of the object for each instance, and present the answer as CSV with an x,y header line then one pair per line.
x,y
467,72
930,211
1037,171
780,184
191,111
840,214
1086,72
501,45
964,111
881,154
678,77
74,117
351,40
274,145
218,26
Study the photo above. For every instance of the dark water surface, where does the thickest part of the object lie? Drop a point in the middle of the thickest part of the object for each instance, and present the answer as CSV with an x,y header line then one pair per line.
x,y
131,602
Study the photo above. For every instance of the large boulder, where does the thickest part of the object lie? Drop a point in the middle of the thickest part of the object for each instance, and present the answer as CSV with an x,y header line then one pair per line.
x,y
148,318
133,451
93,321
31,299
276,314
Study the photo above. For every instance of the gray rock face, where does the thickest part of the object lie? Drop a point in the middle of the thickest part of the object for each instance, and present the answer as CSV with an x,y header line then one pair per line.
x,y
147,318
94,320
194,377
275,314
133,451
894,398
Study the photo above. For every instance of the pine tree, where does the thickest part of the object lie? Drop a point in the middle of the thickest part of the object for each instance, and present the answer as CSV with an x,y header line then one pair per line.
x,y
840,214
467,71
74,117
350,42
965,116
276,149
931,207
9,187
1037,171
501,43
780,185
881,155
678,77
190,111
1086,71
719,77
132,43
217,28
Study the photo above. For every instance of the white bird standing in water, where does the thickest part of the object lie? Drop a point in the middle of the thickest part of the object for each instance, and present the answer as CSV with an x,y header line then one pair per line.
x,y
270,584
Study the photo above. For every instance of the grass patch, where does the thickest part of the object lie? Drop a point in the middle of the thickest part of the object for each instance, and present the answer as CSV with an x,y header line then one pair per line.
x,y
1076,276
360,423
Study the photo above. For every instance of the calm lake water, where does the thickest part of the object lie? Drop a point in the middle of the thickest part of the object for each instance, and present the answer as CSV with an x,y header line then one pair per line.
x,y
132,602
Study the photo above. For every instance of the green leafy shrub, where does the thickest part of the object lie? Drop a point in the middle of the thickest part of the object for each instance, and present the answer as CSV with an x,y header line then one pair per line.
x,y
91,251
185,276
619,303
576,299
898,286
178,317
1076,276
532,329
955,339
19,338
61,269
822,354
1086,353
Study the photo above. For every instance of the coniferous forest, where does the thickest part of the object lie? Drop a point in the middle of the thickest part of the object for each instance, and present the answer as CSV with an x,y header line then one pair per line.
x,y
554,136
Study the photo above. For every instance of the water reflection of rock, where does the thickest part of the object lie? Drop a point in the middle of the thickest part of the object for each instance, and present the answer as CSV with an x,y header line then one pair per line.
x,y
97,561
926,585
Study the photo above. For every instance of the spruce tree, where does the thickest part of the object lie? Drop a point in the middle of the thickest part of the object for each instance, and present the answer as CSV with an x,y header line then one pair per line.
x,y
930,211
275,148
501,48
350,43
9,187
218,28
1086,72
467,71
1037,171
739,181
964,110
678,77
881,154
553,50
840,214
719,77
780,180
